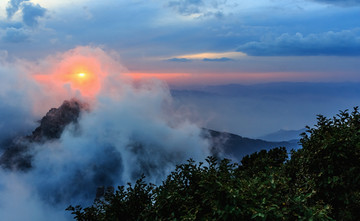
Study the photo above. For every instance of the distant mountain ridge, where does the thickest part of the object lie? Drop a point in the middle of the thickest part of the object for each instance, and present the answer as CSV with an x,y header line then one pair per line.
x,y
236,147
289,88
17,154
283,135
255,109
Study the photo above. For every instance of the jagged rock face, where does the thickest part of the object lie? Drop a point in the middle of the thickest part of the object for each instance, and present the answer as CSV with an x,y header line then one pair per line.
x,y
17,155
54,122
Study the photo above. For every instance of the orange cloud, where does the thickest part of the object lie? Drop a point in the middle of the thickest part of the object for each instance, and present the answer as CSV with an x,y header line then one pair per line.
x,y
82,72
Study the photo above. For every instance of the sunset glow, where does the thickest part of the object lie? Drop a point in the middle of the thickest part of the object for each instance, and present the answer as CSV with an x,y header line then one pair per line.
x,y
87,84
77,71
103,94
81,75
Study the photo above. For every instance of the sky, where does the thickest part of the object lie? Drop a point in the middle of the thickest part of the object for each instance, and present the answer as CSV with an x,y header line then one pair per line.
x,y
244,67
192,42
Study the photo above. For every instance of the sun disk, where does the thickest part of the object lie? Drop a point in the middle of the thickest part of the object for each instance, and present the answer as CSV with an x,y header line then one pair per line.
x,y
81,74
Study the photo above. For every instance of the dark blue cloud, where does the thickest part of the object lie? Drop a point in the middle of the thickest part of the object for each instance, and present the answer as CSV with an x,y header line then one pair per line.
x,y
16,32
223,59
186,7
340,2
200,7
13,7
179,59
11,24
31,13
15,35
343,43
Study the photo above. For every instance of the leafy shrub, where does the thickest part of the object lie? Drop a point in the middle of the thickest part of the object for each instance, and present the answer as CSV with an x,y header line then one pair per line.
x,y
321,181
329,163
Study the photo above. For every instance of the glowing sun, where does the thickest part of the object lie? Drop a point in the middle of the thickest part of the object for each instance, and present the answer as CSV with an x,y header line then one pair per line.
x,y
81,75
82,71
84,76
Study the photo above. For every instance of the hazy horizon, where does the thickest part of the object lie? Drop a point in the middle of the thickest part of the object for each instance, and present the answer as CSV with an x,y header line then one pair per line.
x,y
256,110
153,74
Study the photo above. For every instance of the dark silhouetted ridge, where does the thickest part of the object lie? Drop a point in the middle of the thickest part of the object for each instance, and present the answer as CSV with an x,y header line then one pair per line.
x,y
53,123
17,154
236,146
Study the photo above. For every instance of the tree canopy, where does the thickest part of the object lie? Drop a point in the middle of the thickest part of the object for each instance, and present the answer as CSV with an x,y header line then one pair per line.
x,y
320,181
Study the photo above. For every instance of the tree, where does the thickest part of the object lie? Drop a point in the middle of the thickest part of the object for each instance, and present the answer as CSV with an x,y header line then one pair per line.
x,y
320,181
212,191
130,204
329,164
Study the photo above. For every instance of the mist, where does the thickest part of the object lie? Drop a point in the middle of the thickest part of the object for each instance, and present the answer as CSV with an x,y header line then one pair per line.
x,y
128,129
255,110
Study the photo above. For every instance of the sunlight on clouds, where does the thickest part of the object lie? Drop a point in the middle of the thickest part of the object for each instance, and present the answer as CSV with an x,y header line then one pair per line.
x,y
2,10
58,3
213,55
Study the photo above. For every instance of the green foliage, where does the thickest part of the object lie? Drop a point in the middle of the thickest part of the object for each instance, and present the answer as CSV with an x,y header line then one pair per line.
x,y
125,204
321,181
259,161
329,163
211,191
198,191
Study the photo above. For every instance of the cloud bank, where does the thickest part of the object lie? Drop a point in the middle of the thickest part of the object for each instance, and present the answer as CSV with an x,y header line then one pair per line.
x,y
15,35
129,130
223,59
343,43
13,7
198,8
179,60
340,2
30,12
15,30
186,7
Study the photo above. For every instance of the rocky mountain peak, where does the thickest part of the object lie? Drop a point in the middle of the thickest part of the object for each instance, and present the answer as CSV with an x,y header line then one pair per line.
x,y
53,123
16,154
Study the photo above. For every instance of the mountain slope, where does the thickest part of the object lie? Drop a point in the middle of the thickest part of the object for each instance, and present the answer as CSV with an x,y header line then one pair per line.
x,y
235,146
283,135
17,154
